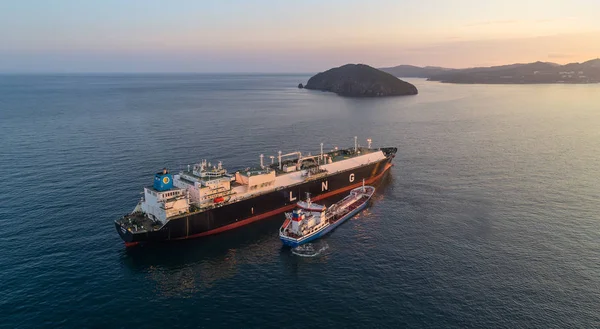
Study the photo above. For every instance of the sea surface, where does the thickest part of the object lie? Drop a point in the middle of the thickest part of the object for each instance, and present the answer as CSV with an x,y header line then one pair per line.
x,y
490,217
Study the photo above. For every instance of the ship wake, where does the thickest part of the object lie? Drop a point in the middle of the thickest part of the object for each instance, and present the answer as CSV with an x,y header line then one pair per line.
x,y
310,249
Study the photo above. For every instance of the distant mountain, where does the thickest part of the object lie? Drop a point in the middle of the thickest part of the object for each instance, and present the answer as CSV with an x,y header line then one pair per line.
x,y
410,71
359,80
593,62
538,72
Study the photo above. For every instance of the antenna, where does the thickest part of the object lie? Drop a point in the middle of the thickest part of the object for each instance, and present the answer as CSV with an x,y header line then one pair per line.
x,y
262,166
369,142
355,144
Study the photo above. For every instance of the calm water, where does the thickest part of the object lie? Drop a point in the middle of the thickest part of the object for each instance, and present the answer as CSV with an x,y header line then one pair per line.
x,y
489,218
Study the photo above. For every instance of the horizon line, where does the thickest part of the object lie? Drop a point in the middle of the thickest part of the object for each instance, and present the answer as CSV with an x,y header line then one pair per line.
x,y
149,72
255,72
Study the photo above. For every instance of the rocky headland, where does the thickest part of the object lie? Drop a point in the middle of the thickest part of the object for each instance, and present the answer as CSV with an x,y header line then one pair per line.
x,y
359,80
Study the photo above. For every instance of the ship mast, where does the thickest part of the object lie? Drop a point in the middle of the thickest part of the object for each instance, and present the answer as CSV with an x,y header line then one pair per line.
x,y
280,164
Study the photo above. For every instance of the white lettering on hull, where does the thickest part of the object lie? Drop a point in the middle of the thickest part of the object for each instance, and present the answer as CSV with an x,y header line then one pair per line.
x,y
351,178
292,197
324,186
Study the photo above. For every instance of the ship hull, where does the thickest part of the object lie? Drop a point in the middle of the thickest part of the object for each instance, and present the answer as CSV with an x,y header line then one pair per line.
x,y
298,242
233,215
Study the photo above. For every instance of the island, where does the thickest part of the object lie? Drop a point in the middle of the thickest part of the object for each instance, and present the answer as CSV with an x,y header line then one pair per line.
x,y
529,73
360,80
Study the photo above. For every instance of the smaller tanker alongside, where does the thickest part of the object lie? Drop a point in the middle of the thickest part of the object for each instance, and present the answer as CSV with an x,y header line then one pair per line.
x,y
311,221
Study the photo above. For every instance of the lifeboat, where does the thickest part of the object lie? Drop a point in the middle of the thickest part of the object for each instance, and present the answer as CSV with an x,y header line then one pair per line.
x,y
218,199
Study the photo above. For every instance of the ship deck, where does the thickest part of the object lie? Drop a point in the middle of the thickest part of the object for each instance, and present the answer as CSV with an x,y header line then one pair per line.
x,y
200,178
284,179
351,207
335,156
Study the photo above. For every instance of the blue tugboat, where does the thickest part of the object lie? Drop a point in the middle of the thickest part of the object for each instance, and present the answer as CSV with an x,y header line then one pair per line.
x,y
310,221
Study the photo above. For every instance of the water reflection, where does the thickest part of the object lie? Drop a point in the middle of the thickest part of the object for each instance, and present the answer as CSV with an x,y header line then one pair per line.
x,y
182,268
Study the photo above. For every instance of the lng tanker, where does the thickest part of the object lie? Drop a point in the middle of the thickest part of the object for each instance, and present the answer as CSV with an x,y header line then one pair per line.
x,y
206,199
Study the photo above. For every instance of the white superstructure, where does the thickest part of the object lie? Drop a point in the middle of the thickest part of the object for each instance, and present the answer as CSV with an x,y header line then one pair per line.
x,y
161,205
205,184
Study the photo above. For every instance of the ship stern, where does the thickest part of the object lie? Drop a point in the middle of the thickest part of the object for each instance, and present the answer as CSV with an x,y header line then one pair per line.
x,y
126,235
123,232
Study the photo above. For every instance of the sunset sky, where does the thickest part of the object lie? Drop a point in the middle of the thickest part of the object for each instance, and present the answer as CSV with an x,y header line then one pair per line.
x,y
290,36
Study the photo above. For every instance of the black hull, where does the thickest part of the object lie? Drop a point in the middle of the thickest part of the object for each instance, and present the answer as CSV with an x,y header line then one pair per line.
x,y
262,206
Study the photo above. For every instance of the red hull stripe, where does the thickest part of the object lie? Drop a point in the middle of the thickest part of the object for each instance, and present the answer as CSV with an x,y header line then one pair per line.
x,y
283,209
131,244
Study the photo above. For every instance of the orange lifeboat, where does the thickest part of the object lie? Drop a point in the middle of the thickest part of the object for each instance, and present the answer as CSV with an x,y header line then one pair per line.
x,y
218,199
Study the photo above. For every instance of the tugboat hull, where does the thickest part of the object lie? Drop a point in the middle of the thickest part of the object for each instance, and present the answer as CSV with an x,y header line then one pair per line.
x,y
295,243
